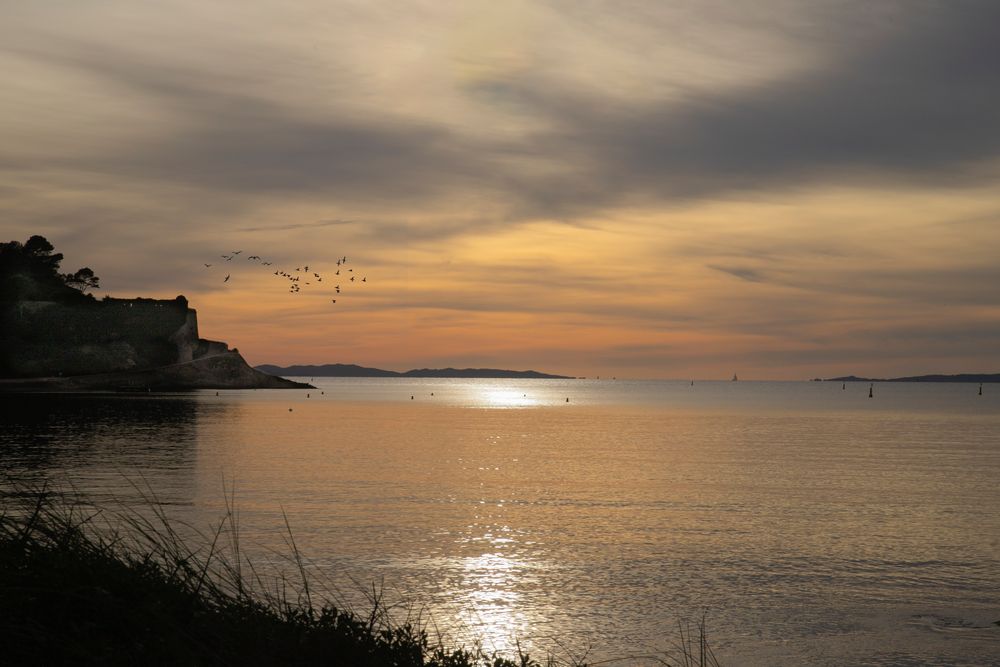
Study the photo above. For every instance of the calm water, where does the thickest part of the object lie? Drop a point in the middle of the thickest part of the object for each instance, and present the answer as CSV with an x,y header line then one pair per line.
x,y
812,524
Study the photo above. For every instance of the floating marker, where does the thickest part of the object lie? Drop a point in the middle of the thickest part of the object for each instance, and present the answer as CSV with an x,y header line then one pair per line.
x,y
870,391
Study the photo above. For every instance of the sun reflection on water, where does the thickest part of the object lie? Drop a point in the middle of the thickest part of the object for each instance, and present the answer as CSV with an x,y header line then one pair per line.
x,y
506,398
491,601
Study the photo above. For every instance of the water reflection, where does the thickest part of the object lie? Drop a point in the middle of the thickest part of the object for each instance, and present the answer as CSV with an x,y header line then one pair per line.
x,y
105,445
491,601
498,397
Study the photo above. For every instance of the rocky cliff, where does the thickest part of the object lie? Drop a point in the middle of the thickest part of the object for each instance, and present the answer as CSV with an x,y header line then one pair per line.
x,y
117,344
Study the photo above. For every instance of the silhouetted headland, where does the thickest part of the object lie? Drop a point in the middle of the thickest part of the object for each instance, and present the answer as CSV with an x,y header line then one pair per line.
x,y
56,337
352,370
962,377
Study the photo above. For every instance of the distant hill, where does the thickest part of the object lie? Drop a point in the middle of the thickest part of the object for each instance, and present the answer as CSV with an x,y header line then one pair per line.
x,y
355,371
963,377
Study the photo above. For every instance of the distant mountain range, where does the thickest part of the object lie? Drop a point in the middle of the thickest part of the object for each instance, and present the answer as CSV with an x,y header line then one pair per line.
x,y
355,371
964,377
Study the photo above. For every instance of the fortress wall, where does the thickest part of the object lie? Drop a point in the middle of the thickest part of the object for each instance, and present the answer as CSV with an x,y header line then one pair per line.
x,y
49,339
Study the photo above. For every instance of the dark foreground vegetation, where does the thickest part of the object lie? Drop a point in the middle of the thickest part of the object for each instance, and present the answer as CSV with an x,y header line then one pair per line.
x,y
78,588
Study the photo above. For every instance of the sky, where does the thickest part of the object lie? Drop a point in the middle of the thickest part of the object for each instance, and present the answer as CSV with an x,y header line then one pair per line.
x,y
782,190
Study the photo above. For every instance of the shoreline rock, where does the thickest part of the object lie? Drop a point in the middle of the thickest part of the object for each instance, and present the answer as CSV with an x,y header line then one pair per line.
x,y
225,370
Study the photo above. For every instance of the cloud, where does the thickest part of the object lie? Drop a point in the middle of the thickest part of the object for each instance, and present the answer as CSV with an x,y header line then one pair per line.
x,y
297,225
743,273
921,102
916,99
759,172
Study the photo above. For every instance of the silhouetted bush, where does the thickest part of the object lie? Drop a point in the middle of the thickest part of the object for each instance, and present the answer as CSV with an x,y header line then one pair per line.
x,y
86,586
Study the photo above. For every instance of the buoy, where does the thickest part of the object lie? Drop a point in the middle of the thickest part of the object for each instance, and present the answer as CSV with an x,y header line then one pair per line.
x,y
289,409
411,398
870,394
322,393
843,386
980,388
216,393
567,399
307,395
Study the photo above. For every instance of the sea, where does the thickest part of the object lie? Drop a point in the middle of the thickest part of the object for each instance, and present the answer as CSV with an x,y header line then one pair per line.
x,y
803,523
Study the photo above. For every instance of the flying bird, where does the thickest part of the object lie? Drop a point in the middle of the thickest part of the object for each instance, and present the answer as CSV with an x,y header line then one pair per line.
x,y
227,278
236,252
208,265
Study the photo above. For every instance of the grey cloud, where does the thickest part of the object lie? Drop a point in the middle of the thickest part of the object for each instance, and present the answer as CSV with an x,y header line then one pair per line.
x,y
743,273
297,225
921,102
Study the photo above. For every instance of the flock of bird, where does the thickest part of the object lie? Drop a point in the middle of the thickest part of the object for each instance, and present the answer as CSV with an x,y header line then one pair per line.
x,y
301,276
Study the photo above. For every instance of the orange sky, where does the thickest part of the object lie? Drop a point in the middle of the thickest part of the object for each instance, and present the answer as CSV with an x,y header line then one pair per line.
x,y
661,189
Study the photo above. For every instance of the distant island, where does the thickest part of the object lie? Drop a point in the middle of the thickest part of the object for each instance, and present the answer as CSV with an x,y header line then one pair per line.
x,y
962,377
354,371
54,336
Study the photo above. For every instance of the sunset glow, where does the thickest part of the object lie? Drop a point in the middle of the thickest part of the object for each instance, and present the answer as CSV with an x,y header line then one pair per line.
x,y
660,190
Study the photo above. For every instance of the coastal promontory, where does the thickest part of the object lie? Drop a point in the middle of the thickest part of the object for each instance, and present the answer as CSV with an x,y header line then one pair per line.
x,y
54,336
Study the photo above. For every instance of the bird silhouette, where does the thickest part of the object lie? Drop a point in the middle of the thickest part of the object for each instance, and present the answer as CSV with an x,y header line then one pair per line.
x,y
364,280
227,278
352,279
208,265
236,252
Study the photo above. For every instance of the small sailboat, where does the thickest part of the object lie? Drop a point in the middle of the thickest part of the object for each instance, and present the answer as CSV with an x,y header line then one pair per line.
x,y
735,378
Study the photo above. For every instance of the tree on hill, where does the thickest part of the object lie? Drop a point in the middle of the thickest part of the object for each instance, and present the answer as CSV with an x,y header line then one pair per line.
x,y
83,280
30,270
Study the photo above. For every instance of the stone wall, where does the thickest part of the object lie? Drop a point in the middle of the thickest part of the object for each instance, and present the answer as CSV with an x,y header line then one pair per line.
x,y
39,338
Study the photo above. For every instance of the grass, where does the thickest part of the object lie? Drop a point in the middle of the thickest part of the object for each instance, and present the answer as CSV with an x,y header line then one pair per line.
x,y
87,586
